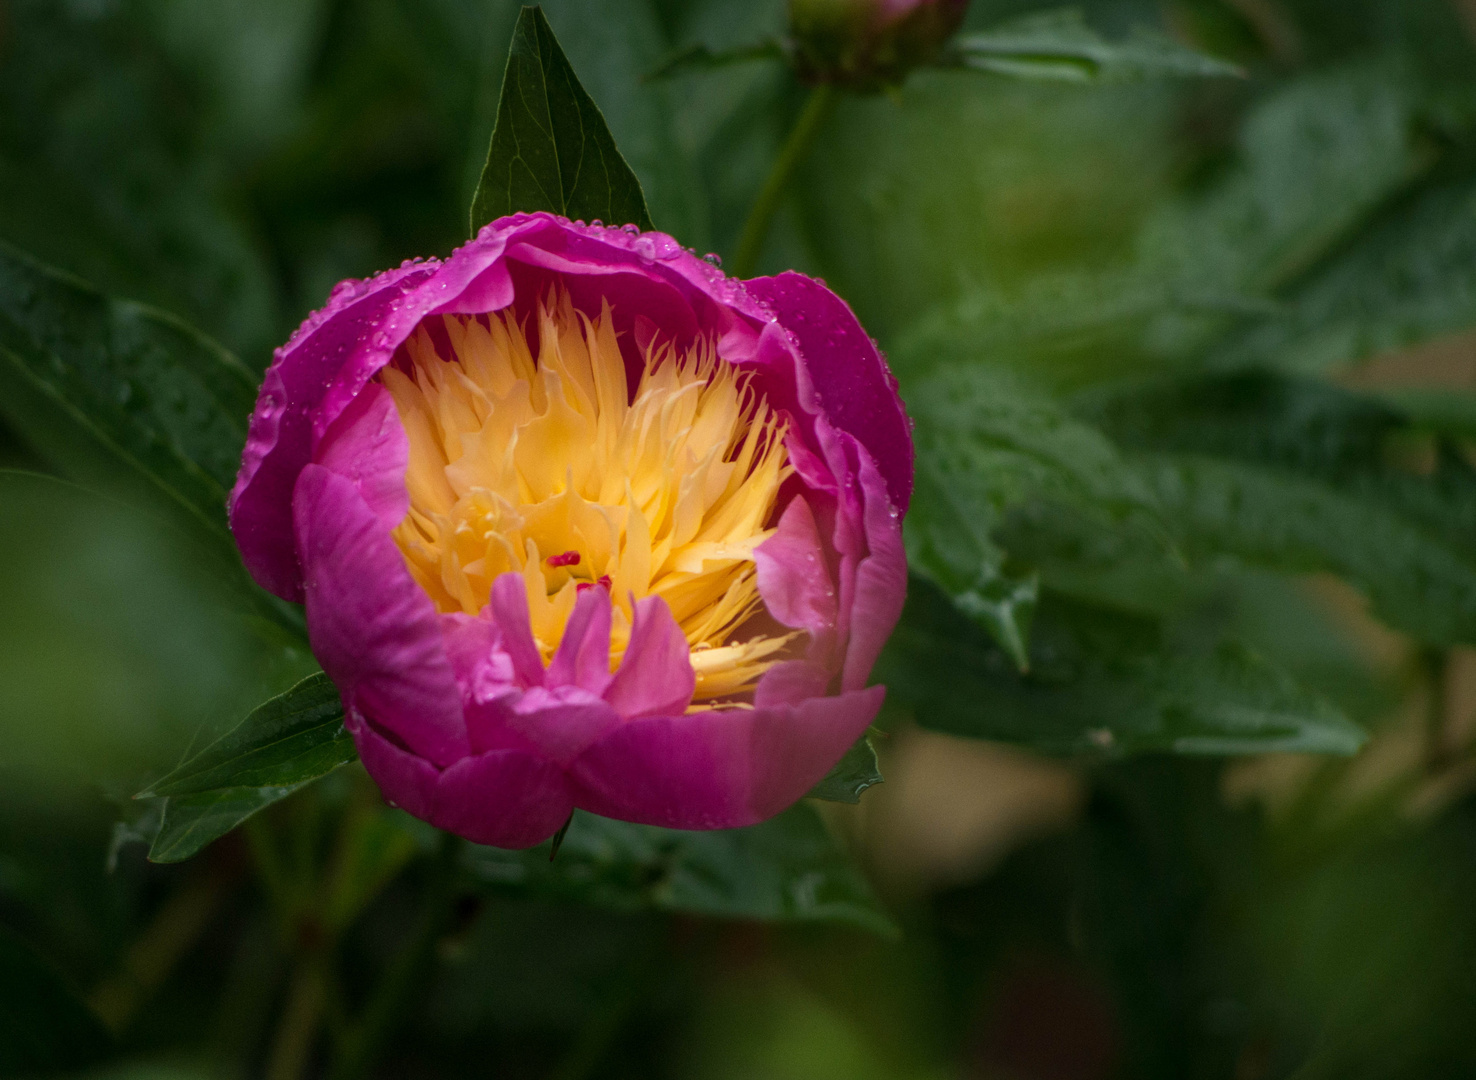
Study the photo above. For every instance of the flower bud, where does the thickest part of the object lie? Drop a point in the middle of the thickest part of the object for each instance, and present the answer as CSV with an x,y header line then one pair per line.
x,y
869,44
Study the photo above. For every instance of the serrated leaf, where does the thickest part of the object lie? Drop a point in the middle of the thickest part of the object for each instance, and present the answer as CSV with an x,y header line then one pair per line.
x,y
193,822
852,775
1060,46
986,446
44,1027
295,737
786,869
551,148
1100,680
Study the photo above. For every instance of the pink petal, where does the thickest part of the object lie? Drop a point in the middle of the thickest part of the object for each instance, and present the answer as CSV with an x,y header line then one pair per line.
x,y
719,768
794,577
373,629
505,798
881,580
279,439
510,611
854,388
655,677
583,656
367,445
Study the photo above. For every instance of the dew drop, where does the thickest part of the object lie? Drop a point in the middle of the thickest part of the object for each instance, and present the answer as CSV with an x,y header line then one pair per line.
x,y
714,258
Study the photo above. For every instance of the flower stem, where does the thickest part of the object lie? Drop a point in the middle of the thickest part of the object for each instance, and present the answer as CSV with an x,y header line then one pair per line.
x,y
756,228
391,1000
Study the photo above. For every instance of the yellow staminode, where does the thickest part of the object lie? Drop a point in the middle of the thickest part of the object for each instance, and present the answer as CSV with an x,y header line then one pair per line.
x,y
549,466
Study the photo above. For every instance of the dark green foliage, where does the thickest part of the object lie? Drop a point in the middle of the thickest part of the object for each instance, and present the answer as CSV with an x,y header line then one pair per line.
x,y
44,1028
294,737
786,869
114,386
1060,46
190,823
852,775
1102,681
551,149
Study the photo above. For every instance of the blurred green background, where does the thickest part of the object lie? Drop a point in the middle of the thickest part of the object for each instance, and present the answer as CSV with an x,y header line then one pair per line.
x,y
1057,919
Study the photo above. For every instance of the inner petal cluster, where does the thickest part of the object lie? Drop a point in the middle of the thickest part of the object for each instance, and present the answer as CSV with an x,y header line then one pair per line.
x,y
549,466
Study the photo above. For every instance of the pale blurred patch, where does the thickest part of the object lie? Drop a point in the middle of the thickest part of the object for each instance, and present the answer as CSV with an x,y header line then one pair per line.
x,y
951,808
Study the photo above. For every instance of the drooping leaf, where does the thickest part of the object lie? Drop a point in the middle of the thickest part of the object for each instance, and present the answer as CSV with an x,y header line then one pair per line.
x,y
985,447
787,868
551,149
295,737
852,775
44,1027
1100,680
193,822
1059,45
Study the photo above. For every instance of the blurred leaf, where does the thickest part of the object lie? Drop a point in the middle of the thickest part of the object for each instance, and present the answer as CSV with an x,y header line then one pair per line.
x,y
44,1027
96,383
1059,45
787,868
1437,410
852,775
1415,580
701,58
985,446
295,737
192,822
1101,680
551,149
1297,475
1410,276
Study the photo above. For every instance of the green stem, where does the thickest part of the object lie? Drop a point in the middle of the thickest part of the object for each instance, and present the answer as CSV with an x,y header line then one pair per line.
x,y
1436,663
756,228
391,1000
298,1029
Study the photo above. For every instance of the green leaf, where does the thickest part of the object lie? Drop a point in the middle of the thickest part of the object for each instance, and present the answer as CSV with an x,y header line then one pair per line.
x,y
294,737
1101,680
1415,580
192,822
1408,277
987,446
44,1027
1297,475
786,869
852,775
107,387
699,57
1059,45
551,149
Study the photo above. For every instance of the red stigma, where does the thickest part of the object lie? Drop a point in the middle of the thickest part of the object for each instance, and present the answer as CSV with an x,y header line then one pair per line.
x,y
604,580
568,558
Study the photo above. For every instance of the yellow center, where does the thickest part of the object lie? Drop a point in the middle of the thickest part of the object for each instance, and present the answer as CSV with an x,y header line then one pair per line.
x,y
550,467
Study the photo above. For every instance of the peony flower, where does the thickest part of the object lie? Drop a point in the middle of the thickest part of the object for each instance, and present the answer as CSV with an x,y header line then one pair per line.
x,y
869,44
578,521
